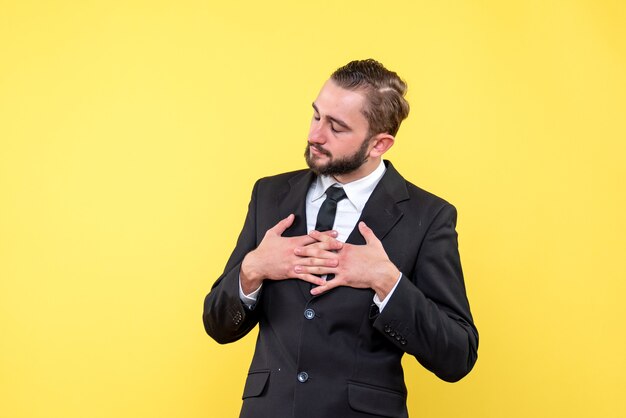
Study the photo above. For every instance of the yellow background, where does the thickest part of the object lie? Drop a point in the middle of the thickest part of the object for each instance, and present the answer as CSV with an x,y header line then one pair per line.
x,y
126,125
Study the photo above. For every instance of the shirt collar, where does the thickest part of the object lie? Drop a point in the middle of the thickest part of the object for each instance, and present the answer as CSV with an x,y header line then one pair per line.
x,y
358,191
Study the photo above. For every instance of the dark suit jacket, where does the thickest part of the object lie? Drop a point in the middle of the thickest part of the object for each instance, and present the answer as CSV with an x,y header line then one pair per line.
x,y
335,355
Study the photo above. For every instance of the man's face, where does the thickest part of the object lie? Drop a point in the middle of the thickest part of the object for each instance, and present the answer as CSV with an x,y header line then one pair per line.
x,y
338,142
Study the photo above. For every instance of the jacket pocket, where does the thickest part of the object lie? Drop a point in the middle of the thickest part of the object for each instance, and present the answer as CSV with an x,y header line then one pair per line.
x,y
376,400
255,383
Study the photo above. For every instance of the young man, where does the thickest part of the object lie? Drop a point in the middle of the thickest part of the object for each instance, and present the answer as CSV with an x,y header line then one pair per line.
x,y
345,266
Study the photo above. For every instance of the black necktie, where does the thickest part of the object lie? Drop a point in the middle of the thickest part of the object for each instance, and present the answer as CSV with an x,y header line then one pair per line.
x,y
326,215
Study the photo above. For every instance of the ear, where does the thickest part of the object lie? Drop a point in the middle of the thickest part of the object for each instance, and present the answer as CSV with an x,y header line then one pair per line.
x,y
380,144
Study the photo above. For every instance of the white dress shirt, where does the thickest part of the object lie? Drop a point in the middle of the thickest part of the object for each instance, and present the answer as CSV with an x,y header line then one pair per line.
x,y
348,213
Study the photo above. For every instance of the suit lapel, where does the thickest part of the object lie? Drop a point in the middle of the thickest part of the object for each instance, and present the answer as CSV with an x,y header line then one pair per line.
x,y
293,200
381,212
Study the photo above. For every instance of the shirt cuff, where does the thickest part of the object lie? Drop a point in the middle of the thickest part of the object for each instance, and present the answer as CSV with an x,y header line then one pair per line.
x,y
248,300
380,303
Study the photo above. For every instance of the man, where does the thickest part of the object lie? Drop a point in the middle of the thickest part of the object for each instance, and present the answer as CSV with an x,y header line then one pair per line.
x,y
345,267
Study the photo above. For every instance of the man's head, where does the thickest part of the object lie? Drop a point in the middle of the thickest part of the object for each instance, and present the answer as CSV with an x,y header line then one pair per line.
x,y
385,106
356,116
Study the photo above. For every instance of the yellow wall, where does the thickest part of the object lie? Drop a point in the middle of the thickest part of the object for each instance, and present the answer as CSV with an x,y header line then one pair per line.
x,y
123,124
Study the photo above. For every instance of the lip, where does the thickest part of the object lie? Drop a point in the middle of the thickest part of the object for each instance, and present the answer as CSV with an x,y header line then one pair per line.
x,y
316,151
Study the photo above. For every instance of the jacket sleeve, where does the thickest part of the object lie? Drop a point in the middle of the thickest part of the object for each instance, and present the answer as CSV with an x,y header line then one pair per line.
x,y
225,317
428,315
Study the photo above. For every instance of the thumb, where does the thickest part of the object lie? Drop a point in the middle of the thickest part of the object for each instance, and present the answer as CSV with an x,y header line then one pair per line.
x,y
282,225
368,234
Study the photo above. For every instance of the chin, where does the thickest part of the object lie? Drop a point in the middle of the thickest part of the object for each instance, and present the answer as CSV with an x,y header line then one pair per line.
x,y
318,161
316,168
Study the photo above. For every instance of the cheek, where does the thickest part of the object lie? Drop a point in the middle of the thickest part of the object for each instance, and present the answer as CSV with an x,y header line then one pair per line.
x,y
346,147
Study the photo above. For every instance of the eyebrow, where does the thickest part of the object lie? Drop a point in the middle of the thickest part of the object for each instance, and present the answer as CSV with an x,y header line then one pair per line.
x,y
332,119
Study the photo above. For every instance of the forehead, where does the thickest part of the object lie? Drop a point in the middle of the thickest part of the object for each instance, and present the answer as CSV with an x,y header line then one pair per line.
x,y
339,102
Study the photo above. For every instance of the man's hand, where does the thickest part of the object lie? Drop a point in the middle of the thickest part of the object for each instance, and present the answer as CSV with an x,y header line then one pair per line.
x,y
359,266
275,258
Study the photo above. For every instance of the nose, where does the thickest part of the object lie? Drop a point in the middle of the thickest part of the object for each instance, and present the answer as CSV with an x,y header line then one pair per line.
x,y
316,134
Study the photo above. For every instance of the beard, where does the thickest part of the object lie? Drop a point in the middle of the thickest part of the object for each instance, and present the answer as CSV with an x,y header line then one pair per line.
x,y
336,167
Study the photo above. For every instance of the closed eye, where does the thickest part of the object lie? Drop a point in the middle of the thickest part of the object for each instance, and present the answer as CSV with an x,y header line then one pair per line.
x,y
336,125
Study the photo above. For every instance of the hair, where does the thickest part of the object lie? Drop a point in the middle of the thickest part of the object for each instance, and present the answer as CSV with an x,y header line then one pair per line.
x,y
385,106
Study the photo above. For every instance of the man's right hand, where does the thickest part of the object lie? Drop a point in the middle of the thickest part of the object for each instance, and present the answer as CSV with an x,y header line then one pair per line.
x,y
274,258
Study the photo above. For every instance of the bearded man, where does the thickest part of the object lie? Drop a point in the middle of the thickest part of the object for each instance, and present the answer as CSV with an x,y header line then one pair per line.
x,y
345,267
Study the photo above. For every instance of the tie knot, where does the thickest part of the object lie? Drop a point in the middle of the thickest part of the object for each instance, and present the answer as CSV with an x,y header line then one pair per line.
x,y
335,193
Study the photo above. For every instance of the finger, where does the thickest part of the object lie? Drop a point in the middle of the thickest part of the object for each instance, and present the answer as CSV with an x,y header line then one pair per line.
x,y
315,269
334,244
368,234
319,249
283,224
315,280
325,287
331,261
323,236
303,240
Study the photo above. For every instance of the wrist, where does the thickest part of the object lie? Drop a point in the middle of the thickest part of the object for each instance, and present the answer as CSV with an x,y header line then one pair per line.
x,y
250,278
386,281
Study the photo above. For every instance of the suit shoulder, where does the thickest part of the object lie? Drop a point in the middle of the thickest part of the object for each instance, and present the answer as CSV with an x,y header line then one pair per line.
x,y
283,177
280,183
428,208
403,190
427,203
424,195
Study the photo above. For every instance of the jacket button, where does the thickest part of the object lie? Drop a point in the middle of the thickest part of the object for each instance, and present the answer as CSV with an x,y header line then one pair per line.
x,y
309,313
303,377
403,341
392,333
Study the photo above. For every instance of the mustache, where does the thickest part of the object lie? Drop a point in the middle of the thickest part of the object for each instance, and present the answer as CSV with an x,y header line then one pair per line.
x,y
319,149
